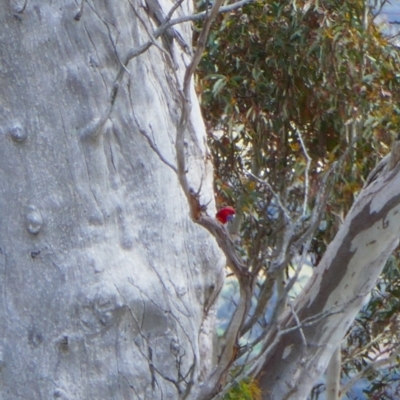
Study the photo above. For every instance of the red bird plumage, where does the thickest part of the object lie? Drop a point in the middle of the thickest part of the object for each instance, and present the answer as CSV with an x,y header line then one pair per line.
x,y
225,214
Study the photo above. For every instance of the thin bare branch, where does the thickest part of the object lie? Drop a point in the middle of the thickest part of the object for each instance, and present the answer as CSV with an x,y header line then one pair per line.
x,y
375,340
306,174
276,195
150,34
379,11
282,298
373,366
318,209
204,14
201,44
298,325
266,291
313,319
156,34
154,147
168,23
275,332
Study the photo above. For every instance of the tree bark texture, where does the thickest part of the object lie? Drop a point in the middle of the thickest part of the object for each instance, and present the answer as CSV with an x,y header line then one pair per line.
x,y
300,347
104,278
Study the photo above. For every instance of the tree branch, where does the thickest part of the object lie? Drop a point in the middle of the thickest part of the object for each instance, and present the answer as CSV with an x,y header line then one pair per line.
x,y
204,14
306,172
373,366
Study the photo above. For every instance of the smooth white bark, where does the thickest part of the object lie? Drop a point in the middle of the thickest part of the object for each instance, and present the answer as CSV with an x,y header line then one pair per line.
x,y
333,375
339,287
104,278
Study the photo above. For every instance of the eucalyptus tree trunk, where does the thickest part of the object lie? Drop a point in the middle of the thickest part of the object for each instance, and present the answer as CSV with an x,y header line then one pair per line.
x,y
108,278
299,347
333,375
104,277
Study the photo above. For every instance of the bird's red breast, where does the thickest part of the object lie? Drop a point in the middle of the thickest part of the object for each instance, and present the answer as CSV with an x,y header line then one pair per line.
x,y
225,214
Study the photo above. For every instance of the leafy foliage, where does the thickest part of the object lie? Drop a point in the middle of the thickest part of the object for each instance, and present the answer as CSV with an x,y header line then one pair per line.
x,y
279,70
291,90
244,390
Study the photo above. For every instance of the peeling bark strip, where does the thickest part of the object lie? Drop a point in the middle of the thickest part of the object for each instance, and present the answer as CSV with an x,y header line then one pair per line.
x,y
365,223
335,293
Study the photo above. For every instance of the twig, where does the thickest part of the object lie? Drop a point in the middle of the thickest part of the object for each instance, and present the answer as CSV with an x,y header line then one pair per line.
x,y
193,199
313,319
290,284
319,208
156,34
265,294
306,172
274,334
371,343
114,45
151,36
276,195
201,44
380,363
204,14
263,302
383,2
298,325
154,147
166,24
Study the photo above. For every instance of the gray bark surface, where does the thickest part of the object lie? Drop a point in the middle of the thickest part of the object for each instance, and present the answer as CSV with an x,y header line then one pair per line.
x,y
104,278
300,346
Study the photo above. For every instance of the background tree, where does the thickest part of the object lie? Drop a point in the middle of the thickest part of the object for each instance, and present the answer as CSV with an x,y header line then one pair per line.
x,y
290,89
